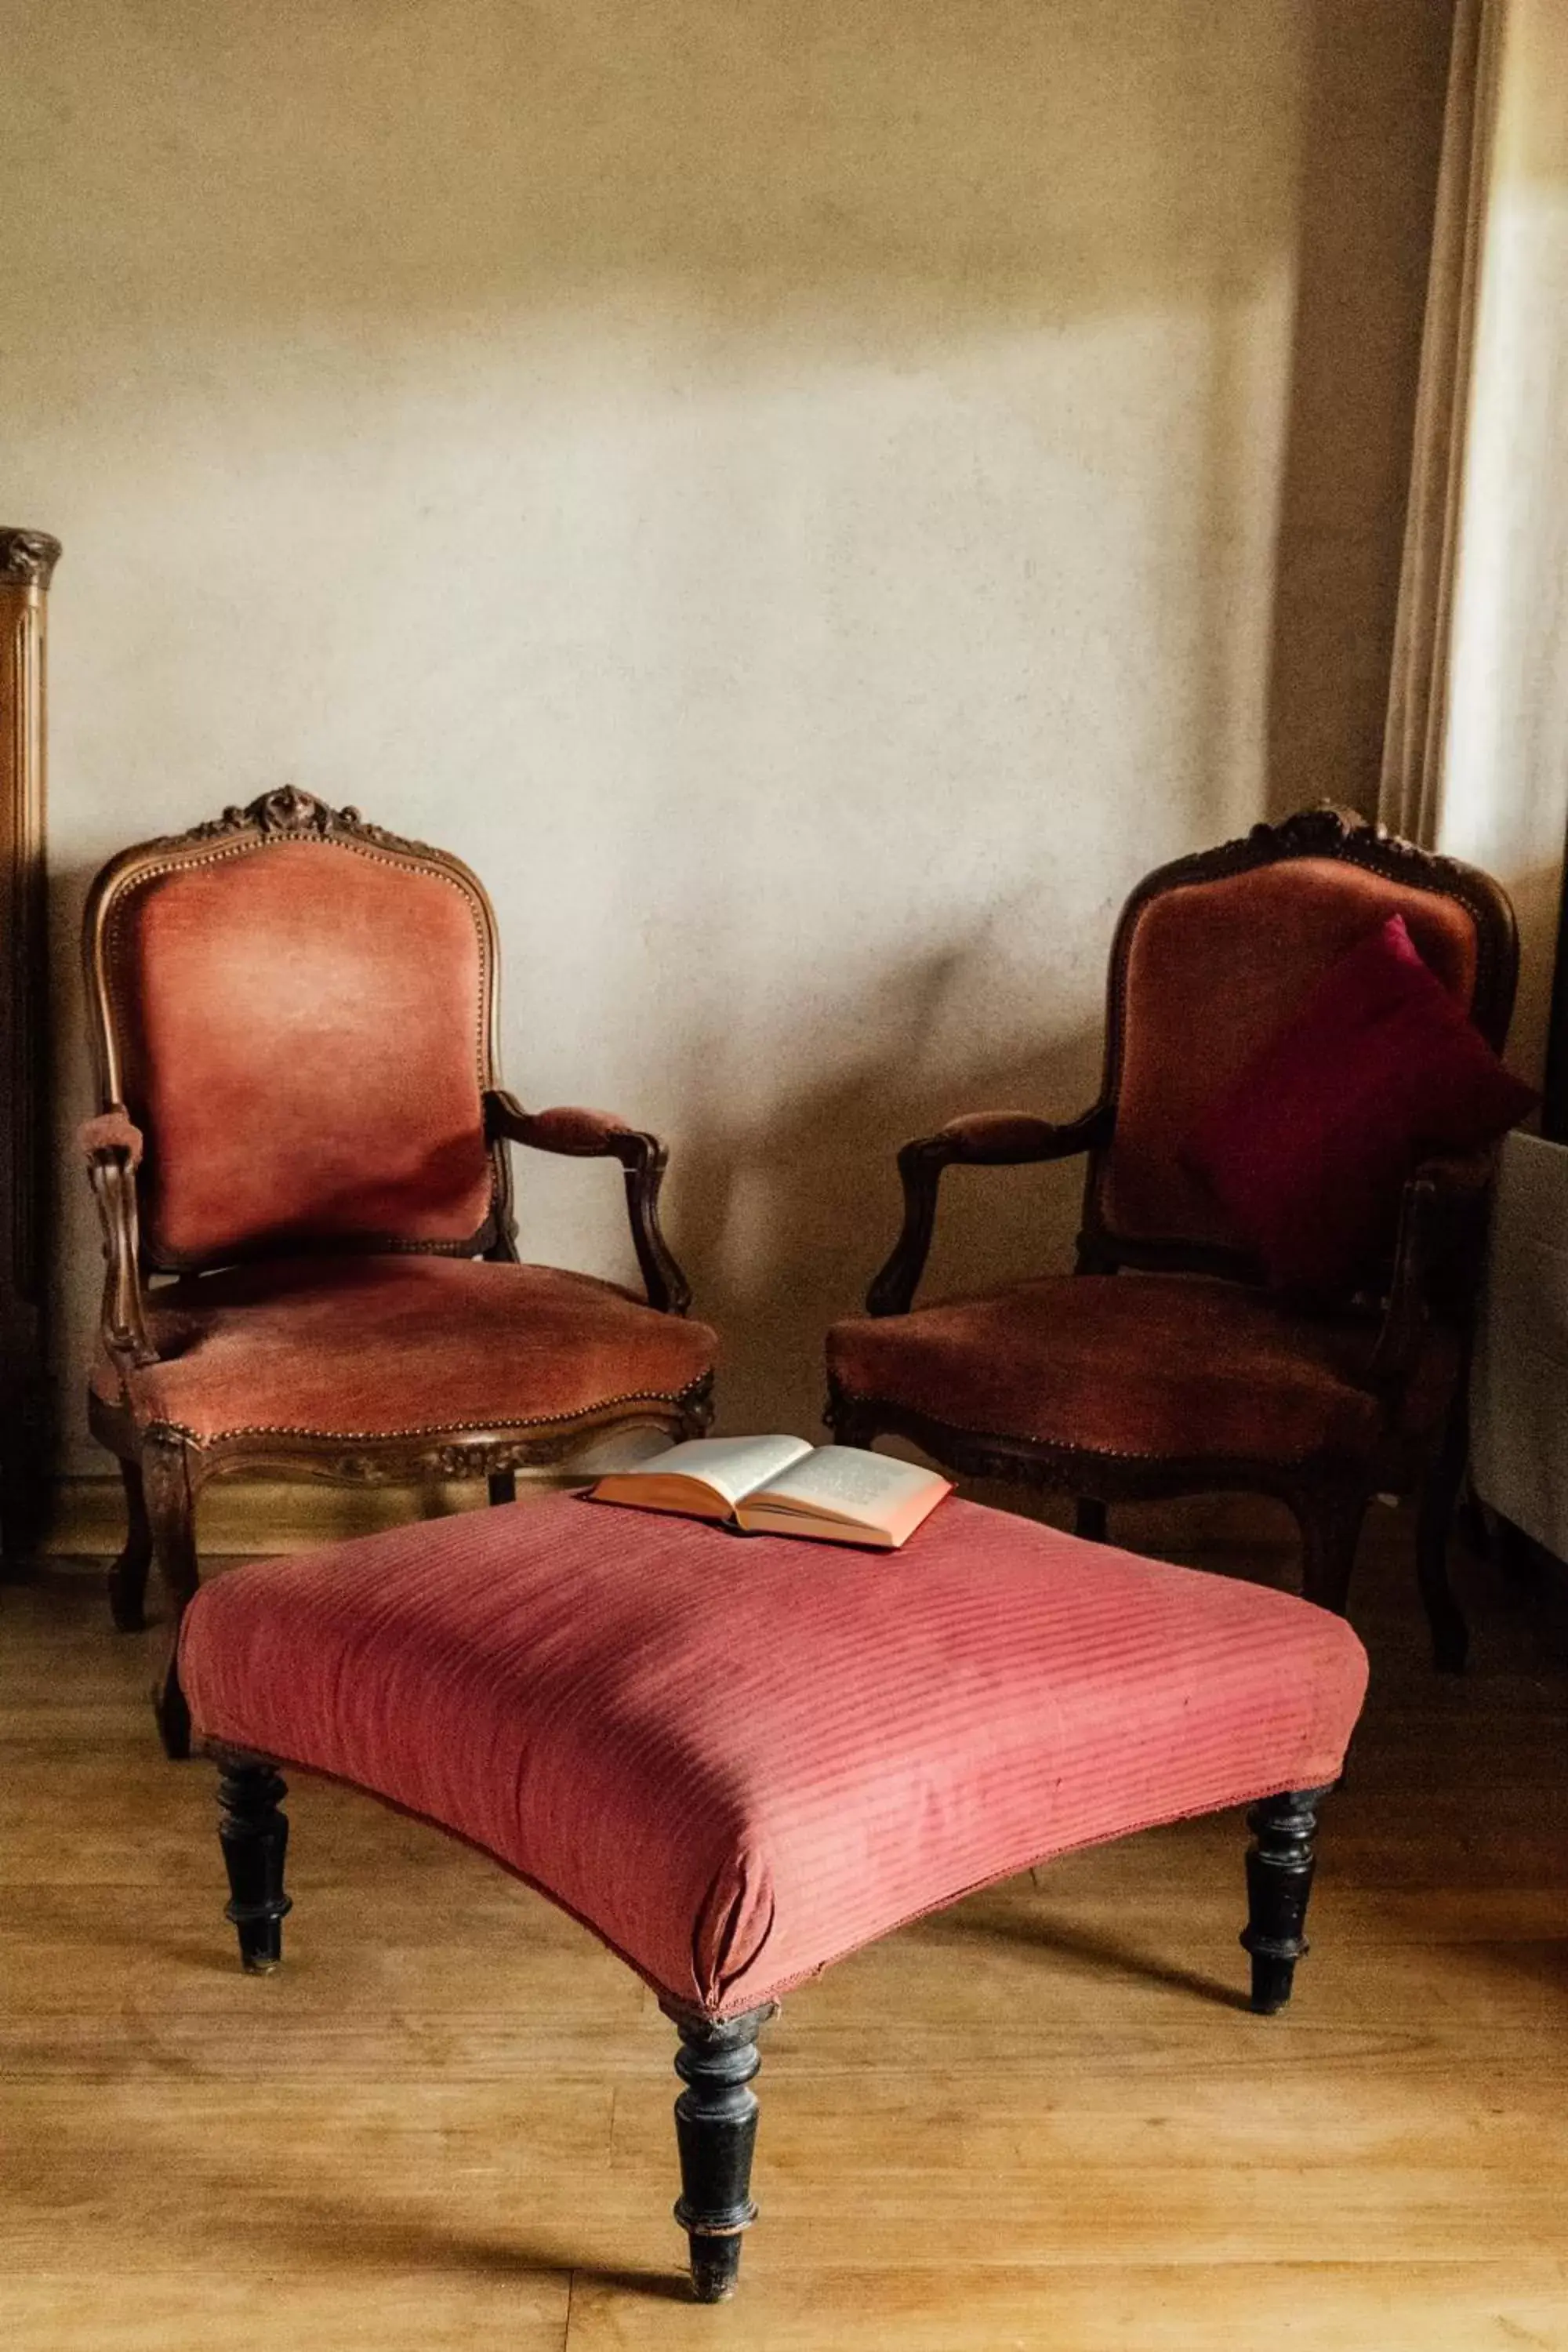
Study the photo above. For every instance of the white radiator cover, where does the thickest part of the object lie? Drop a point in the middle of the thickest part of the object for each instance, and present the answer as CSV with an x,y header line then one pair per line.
x,y
1519,1390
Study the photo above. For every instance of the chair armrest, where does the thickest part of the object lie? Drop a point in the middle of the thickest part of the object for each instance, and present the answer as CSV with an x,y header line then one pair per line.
x,y
579,1134
112,1146
1437,1256
112,1131
599,1135
987,1138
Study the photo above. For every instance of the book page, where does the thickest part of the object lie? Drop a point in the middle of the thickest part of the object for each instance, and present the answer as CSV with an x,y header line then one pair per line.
x,y
851,1485
729,1466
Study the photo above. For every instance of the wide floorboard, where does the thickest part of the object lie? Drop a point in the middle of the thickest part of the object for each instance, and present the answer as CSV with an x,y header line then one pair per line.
x,y
1042,2119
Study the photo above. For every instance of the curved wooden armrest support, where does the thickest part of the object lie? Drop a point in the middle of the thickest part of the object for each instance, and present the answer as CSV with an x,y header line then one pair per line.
x,y
987,1138
113,1129
1436,1257
113,1145
599,1135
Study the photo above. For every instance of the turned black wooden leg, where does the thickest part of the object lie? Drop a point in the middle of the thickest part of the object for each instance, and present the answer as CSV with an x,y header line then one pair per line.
x,y
1278,1880
716,2129
172,1515
1089,1519
1435,1519
128,1577
1329,1521
503,1485
254,1837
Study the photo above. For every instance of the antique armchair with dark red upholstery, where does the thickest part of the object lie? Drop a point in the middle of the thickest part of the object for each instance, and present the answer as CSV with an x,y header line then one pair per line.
x,y
1164,1365
293,1024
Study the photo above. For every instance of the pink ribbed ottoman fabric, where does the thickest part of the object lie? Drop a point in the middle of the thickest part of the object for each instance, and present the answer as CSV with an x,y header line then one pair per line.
x,y
738,1759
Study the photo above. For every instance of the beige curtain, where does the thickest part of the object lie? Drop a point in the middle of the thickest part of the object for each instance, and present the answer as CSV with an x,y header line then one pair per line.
x,y
1475,754
1410,798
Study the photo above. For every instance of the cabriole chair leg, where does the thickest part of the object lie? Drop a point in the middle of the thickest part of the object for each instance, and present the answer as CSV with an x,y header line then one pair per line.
x,y
1434,1526
716,2130
128,1577
255,1838
1279,1863
1331,1524
172,1515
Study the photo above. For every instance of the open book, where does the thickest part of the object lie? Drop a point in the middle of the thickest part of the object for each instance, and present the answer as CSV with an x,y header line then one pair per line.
x,y
783,1487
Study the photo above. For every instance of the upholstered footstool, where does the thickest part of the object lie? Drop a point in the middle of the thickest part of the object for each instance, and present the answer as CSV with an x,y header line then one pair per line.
x,y
738,1759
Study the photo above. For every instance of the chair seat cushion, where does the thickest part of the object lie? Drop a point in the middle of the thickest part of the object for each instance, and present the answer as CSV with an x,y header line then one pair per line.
x,y
1150,1367
738,1759
382,1346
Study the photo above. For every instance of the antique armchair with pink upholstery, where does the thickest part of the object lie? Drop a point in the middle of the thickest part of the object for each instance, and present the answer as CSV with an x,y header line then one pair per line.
x,y
1167,1364
293,1019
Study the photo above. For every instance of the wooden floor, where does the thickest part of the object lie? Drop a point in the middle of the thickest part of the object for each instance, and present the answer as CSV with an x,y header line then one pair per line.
x,y
1039,2120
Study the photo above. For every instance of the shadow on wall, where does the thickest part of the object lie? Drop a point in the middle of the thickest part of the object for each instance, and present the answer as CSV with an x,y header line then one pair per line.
x,y
945,162
1538,902
784,1224
408,343
1365,201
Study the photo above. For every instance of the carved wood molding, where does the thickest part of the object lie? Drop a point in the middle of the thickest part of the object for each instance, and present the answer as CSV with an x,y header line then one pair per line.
x,y
27,559
1332,831
1324,832
1328,832
1305,1485
288,813
402,1458
22,914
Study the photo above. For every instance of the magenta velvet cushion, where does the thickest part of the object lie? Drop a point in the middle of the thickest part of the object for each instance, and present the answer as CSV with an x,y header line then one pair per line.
x,y
1310,1149
737,1759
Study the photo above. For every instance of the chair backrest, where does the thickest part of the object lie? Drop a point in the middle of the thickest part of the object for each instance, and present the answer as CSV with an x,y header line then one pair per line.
x,y
298,1010
1213,953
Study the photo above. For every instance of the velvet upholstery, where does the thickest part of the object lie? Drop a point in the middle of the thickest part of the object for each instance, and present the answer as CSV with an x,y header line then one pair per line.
x,y
996,1138
1146,1367
1214,969
303,1046
1377,1070
378,1346
291,1014
1165,1367
738,1760
570,1130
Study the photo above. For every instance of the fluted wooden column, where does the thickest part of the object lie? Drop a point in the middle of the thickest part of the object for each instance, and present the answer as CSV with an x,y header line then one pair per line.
x,y
27,559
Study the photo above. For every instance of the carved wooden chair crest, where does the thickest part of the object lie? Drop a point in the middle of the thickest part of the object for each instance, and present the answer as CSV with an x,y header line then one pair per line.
x,y
1120,1382
293,1024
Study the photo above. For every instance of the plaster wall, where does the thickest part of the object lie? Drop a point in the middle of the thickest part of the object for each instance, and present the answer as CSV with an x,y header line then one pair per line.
x,y
810,501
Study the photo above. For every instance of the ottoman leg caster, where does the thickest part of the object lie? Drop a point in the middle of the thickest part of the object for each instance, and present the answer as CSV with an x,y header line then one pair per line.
x,y
1279,1863
255,1838
716,2130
